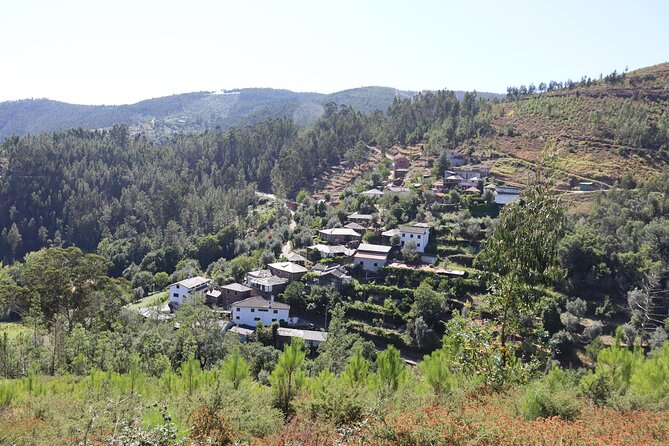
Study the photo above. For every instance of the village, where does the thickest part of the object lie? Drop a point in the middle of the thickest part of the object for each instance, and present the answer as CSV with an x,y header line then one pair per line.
x,y
361,251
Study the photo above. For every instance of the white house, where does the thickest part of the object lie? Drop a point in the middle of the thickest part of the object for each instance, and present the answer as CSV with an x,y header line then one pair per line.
x,y
258,309
419,233
371,257
181,290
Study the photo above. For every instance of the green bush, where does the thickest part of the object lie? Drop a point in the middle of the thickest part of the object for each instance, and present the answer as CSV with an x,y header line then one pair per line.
x,y
554,395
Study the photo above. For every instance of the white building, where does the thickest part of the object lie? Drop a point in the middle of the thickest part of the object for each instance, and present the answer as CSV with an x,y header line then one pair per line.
x,y
470,172
418,233
311,338
181,290
258,309
371,257
506,194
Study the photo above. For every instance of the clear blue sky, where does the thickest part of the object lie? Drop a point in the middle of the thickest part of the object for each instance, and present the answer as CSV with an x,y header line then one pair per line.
x,y
122,51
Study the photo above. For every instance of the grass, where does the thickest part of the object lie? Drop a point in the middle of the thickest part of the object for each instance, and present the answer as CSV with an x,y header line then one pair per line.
x,y
151,300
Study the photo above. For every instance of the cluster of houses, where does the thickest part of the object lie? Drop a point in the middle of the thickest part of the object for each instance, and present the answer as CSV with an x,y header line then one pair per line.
x,y
335,252
246,304
468,180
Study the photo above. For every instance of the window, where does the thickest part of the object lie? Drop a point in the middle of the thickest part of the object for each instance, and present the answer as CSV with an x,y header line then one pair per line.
x,y
177,285
411,236
276,311
418,236
273,320
176,294
239,309
256,318
418,245
362,263
376,264
263,309
253,310
237,318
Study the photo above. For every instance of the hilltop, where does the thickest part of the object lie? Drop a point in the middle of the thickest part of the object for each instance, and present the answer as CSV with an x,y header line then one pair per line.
x,y
600,131
191,112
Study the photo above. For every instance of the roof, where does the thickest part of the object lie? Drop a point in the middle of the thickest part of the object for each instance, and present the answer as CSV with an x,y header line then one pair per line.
x,y
355,226
260,302
213,293
357,216
336,272
259,273
390,232
332,249
415,229
455,178
397,189
193,282
371,256
295,257
508,190
269,280
472,190
236,287
340,231
490,186
372,192
241,330
368,247
307,335
289,267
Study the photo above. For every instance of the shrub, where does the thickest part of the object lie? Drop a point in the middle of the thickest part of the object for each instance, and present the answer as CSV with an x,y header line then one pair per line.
x,y
551,396
561,342
592,332
593,349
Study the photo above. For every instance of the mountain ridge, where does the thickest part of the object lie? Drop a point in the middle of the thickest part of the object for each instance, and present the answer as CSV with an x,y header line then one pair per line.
x,y
191,112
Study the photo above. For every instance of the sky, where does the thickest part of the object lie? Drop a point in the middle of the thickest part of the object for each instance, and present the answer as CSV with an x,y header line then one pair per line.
x,y
123,51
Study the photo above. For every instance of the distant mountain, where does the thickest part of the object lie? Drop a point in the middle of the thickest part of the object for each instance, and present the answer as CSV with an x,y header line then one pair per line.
x,y
190,112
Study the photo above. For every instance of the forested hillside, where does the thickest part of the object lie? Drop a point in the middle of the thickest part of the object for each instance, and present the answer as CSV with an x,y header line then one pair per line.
x,y
599,130
191,112
80,187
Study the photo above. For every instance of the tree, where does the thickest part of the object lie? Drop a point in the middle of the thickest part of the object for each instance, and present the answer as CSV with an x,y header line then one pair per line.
x,y
69,283
428,304
161,280
357,370
390,371
294,294
521,253
339,346
14,240
288,377
235,369
436,372
409,252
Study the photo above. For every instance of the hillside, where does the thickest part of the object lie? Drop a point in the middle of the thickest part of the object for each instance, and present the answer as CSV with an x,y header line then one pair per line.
x,y
190,112
598,131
